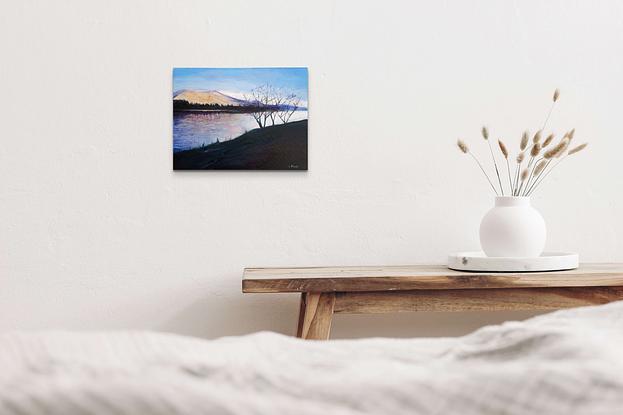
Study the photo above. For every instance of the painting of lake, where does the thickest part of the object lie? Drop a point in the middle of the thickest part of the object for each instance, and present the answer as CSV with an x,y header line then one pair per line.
x,y
240,118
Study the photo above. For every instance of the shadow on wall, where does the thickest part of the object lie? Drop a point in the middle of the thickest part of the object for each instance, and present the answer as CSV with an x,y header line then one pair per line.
x,y
422,324
218,316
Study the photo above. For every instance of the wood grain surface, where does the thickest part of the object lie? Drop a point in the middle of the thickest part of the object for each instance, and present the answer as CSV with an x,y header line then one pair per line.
x,y
420,277
472,300
315,317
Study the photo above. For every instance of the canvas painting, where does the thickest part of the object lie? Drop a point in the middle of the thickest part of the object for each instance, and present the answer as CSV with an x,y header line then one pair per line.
x,y
240,119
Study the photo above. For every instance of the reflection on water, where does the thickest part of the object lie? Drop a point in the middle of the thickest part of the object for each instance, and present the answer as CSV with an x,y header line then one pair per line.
x,y
195,128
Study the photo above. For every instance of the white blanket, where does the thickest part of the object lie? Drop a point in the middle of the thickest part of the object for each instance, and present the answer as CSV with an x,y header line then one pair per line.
x,y
567,362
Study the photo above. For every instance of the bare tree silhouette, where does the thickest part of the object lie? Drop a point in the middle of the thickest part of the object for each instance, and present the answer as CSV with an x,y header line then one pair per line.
x,y
259,99
289,106
269,103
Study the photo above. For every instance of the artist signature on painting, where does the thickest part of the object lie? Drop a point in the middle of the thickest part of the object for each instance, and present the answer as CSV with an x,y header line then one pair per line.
x,y
293,166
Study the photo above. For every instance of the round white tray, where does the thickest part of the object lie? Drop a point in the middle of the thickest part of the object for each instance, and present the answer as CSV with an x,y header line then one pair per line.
x,y
478,261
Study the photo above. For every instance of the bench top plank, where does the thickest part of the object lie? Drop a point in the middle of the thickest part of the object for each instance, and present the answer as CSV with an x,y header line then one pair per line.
x,y
420,277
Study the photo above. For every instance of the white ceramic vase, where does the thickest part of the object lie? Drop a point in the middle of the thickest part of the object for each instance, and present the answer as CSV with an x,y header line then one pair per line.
x,y
513,228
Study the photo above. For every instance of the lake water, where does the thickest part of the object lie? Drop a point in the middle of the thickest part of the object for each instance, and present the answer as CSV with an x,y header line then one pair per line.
x,y
194,128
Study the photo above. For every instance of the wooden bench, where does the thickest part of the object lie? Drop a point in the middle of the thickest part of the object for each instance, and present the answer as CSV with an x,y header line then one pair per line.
x,y
328,290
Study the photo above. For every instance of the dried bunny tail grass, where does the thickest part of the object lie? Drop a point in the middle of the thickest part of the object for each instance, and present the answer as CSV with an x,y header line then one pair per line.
x,y
536,149
540,166
570,134
551,108
520,157
564,148
577,149
515,186
462,146
537,137
503,149
554,152
485,135
550,154
521,179
536,175
547,172
548,140
524,141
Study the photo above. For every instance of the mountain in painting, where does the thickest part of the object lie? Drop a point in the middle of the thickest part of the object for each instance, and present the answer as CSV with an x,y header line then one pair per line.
x,y
208,98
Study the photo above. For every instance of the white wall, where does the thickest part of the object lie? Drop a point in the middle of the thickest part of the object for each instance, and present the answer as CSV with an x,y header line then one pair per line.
x,y
98,232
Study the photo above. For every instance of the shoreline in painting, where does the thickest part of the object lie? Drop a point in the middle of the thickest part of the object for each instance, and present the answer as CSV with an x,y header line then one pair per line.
x,y
192,129
277,147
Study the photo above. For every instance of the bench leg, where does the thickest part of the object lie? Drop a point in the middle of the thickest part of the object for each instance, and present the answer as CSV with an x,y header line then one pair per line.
x,y
315,315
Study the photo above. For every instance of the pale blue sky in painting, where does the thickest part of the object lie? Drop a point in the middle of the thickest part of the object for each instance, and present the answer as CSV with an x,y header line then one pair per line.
x,y
238,81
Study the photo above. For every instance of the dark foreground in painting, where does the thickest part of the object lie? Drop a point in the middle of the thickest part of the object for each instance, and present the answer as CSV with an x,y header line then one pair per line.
x,y
279,147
